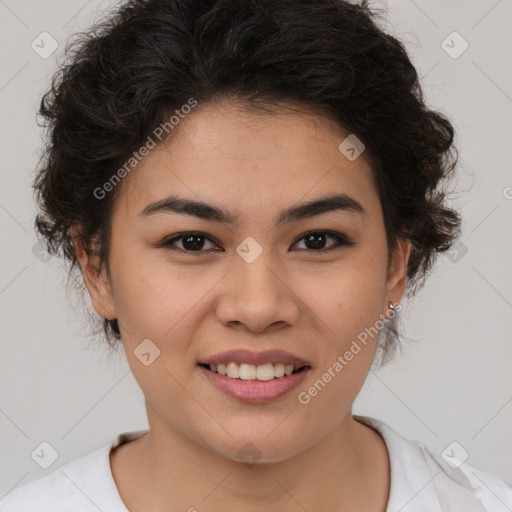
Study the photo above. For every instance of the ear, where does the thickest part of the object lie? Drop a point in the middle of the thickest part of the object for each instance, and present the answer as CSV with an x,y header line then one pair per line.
x,y
96,279
397,272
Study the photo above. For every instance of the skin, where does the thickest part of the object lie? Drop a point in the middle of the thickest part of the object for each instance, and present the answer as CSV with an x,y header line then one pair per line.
x,y
315,456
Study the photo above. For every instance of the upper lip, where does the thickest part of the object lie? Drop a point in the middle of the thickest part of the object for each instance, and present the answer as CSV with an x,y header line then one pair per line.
x,y
256,358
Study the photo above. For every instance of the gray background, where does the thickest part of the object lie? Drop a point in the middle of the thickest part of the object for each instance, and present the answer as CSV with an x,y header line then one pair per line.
x,y
453,384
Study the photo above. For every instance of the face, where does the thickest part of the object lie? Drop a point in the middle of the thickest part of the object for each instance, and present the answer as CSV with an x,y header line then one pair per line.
x,y
308,283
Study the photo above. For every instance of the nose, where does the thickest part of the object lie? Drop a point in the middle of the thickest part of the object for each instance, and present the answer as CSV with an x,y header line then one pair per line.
x,y
257,297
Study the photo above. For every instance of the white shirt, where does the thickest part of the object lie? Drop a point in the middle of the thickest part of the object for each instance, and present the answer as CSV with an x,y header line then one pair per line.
x,y
421,481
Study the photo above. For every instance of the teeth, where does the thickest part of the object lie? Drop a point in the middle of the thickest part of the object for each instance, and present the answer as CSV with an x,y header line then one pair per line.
x,y
265,372
246,371
252,372
232,370
279,370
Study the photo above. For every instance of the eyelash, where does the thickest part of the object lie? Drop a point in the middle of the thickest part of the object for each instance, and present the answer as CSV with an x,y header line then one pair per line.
x,y
341,240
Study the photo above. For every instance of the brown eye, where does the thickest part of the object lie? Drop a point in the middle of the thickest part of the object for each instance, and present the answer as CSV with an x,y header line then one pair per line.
x,y
196,242
316,240
191,242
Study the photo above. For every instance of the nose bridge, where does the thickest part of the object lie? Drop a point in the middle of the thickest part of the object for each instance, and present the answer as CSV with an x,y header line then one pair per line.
x,y
257,295
257,276
254,273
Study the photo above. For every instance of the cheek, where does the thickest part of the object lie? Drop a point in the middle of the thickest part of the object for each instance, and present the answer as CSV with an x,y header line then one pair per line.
x,y
149,295
350,298
350,305
351,310
355,324
156,323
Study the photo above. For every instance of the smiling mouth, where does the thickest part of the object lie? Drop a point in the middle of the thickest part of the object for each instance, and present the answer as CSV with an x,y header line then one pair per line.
x,y
250,372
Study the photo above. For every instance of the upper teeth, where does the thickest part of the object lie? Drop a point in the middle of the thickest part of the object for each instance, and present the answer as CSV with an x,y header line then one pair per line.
x,y
251,372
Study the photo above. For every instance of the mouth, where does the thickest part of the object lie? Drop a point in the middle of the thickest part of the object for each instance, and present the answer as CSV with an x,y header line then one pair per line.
x,y
254,377
253,384
251,372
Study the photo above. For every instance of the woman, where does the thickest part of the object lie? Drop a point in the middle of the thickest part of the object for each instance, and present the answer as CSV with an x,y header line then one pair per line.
x,y
249,189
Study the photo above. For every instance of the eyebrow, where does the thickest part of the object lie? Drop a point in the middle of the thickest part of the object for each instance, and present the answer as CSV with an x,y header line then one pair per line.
x,y
175,204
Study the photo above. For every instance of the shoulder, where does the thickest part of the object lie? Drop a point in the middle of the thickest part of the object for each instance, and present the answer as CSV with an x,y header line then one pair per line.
x,y
85,483
422,480
57,490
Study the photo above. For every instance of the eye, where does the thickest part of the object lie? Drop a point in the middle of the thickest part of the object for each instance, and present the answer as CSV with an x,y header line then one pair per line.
x,y
191,242
315,240
194,242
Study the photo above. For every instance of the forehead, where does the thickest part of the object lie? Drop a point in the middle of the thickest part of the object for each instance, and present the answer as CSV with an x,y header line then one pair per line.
x,y
249,162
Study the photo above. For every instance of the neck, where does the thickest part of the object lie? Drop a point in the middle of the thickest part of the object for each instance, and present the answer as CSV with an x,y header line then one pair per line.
x,y
347,470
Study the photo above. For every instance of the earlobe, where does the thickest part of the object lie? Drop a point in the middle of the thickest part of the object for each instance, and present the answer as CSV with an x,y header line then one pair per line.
x,y
95,278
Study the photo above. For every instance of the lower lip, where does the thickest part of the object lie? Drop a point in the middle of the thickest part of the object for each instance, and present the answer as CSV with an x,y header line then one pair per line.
x,y
255,391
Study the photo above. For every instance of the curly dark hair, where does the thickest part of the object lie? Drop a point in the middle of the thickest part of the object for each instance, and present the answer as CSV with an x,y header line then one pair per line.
x,y
129,72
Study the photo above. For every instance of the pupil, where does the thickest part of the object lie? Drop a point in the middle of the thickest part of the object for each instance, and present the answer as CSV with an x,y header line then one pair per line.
x,y
190,242
316,244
